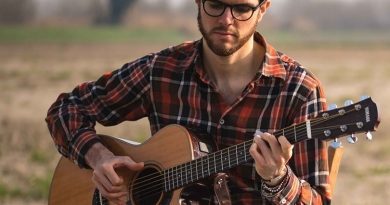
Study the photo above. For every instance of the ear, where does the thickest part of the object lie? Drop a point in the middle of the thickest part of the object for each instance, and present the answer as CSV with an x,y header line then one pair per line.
x,y
263,9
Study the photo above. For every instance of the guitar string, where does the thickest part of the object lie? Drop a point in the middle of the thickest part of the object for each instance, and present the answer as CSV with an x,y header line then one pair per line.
x,y
179,169
158,187
300,131
178,178
282,131
177,182
285,132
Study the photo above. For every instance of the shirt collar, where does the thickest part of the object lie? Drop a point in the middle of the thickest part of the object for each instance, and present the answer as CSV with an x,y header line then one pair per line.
x,y
273,64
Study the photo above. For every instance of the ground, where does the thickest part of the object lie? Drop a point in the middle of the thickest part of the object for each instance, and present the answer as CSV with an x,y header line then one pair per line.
x,y
33,74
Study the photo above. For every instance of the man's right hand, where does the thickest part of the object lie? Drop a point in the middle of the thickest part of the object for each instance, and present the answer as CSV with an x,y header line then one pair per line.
x,y
104,162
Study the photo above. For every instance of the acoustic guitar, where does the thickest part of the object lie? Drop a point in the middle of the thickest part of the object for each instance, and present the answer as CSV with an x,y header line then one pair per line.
x,y
176,159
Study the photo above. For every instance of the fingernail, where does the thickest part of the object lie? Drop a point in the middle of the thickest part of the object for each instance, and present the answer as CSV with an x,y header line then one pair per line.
x,y
258,133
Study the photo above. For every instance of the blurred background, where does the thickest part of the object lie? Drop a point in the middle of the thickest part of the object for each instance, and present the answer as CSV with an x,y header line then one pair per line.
x,y
49,46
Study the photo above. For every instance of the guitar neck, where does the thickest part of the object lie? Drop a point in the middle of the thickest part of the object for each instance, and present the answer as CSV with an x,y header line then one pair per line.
x,y
355,118
225,159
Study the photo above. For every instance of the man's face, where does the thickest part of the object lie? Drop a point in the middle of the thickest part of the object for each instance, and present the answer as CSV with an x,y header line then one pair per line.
x,y
225,34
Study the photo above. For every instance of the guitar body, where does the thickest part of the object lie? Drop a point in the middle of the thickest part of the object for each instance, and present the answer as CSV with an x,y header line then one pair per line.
x,y
171,146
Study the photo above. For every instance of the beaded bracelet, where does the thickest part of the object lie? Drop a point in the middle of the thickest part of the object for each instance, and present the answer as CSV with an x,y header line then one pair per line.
x,y
271,192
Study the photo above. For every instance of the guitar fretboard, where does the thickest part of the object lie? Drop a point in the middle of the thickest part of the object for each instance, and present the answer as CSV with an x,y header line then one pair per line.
x,y
224,159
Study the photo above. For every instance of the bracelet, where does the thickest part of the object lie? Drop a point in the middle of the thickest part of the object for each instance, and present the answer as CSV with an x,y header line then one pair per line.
x,y
270,192
277,178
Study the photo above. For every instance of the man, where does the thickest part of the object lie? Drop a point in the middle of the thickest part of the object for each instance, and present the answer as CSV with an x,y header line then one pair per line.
x,y
226,86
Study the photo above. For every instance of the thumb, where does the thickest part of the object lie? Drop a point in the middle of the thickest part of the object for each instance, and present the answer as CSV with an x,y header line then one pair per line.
x,y
126,161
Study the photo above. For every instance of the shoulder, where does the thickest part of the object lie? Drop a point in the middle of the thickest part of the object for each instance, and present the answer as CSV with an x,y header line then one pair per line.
x,y
177,58
296,73
172,58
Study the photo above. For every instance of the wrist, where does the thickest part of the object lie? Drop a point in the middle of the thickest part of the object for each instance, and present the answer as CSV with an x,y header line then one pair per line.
x,y
275,180
96,153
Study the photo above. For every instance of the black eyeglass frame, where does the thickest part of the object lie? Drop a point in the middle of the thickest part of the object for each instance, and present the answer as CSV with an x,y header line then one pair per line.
x,y
231,9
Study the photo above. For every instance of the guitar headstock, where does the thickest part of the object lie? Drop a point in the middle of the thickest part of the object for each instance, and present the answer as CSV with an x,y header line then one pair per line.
x,y
360,117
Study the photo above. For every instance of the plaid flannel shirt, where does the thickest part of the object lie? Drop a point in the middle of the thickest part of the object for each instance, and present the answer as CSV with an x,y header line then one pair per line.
x,y
171,87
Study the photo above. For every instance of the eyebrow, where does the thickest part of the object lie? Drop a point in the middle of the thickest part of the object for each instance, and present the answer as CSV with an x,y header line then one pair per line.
x,y
239,4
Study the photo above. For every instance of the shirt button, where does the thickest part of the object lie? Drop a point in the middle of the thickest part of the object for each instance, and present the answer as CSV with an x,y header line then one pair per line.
x,y
222,121
283,201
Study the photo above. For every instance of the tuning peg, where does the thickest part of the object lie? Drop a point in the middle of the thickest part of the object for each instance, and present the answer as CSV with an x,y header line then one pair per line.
x,y
369,136
352,139
335,143
348,102
363,97
332,107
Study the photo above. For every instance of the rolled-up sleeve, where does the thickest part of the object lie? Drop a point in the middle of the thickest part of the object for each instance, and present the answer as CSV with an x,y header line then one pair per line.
x,y
115,97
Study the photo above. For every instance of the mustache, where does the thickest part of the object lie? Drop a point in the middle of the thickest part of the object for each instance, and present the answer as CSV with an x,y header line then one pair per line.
x,y
225,30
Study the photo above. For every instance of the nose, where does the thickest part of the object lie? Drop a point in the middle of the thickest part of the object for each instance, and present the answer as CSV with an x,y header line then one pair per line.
x,y
227,17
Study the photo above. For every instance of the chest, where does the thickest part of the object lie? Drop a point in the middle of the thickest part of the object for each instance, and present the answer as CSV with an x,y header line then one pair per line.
x,y
200,108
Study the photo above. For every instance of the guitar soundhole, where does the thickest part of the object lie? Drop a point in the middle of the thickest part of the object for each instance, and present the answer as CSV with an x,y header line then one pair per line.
x,y
147,187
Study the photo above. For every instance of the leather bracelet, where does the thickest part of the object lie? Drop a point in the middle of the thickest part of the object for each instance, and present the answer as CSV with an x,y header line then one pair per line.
x,y
277,178
271,192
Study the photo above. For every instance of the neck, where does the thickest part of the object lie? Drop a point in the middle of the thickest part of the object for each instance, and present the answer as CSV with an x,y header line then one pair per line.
x,y
243,63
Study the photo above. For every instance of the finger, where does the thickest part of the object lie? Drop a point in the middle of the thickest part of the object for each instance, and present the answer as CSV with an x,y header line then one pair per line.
x,y
273,143
264,149
104,192
254,151
104,181
107,194
285,145
125,161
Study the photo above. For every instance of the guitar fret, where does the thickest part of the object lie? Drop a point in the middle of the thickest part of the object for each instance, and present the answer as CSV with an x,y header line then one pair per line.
x,y
202,168
186,172
174,177
192,178
215,163
228,151
169,179
245,151
165,180
197,169
221,160
236,154
295,133
205,165
208,164
180,176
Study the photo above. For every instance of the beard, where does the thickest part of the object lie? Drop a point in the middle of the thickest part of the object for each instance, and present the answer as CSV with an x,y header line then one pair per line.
x,y
220,49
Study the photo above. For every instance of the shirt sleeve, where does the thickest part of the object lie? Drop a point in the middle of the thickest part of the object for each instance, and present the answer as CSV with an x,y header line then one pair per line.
x,y
309,181
115,97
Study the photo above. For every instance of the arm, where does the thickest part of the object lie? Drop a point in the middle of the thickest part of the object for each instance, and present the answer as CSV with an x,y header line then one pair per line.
x,y
113,98
306,180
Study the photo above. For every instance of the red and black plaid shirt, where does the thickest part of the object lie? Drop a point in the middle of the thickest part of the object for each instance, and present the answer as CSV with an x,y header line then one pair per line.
x,y
171,87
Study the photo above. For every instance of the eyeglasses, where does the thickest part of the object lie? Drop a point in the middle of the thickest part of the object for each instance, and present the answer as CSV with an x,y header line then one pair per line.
x,y
241,12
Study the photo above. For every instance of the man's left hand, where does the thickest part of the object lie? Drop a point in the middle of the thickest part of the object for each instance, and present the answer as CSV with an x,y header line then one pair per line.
x,y
271,155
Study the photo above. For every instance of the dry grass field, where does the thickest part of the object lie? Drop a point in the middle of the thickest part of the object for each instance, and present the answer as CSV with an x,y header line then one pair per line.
x,y
33,74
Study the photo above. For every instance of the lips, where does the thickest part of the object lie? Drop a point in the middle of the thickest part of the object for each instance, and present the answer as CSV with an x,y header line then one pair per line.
x,y
225,34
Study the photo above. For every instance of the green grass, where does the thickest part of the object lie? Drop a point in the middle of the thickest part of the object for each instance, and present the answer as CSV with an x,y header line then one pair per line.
x,y
331,38
29,34
39,156
5,191
20,34
40,188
